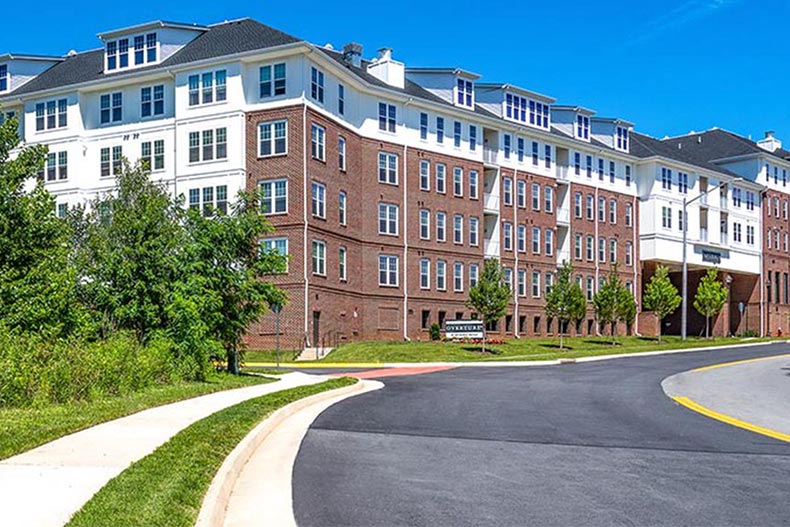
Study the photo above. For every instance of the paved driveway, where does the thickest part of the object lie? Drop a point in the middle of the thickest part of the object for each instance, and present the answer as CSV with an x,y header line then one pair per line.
x,y
583,444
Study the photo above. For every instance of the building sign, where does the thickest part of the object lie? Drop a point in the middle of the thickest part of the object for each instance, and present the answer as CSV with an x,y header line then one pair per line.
x,y
463,329
711,257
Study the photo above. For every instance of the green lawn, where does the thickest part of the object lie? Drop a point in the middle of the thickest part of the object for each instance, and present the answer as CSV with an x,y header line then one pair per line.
x,y
514,349
269,356
26,428
166,488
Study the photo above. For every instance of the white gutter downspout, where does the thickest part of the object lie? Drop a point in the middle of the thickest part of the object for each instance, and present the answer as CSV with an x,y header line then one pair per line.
x,y
763,313
596,255
636,262
405,243
515,265
304,220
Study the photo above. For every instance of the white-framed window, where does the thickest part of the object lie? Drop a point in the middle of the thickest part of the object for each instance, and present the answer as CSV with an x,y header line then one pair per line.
x,y
666,178
319,257
474,179
535,153
152,153
549,281
622,138
736,200
535,240
4,77
441,275
629,214
458,229
750,200
111,108
507,190
474,230
577,246
516,107
318,200
547,156
111,161
279,246
423,126
274,196
425,273
521,282
507,235
601,163
464,93
441,178
317,84
683,183
507,274
208,87
56,167
388,168
612,250
548,199
577,204
474,271
737,233
521,238
666,217
520,149
590,288
472,137
627,175
577,163
535,196
458,277
601,209
388,219
680,220
425,174
439,129
441,226
507,141
342,210
271,80
387,117
117,51
208,145
209,200
273,138
62,210
582,127
602,250
318,142
590,207
549,242
341,153
342,268
51,115
590,248
629,254
457,127
784,242
612,173
458,181
152,100
535,284
612,211
425,224
521,193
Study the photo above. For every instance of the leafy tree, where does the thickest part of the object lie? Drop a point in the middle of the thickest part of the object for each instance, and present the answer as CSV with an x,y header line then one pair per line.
x,y
710,298
661,297
37,284
228,272
129,246
565,301
490,296
614,303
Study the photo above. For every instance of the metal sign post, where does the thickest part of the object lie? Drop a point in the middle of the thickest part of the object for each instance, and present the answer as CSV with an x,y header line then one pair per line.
x,y
276,308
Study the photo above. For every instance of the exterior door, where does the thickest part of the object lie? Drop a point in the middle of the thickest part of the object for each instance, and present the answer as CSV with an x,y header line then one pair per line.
x,y
316,328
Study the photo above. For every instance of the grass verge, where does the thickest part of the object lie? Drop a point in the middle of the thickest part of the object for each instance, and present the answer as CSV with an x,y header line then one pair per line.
x,y
269,356
166,488
514,349
26,428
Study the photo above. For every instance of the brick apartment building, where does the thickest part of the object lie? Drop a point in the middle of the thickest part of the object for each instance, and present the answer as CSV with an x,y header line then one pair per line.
x,y
388,186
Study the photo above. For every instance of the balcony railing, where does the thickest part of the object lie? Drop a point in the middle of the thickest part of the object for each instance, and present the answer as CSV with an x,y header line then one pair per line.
x,y
491,202
703,234
563,256
563,216
703,200
562,173
723,238
490,155
491,249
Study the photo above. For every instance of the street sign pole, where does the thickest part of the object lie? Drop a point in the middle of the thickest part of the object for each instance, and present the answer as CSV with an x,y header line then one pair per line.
x,y
277,308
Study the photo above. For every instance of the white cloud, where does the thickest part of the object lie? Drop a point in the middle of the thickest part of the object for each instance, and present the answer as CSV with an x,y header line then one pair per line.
x,y
685,13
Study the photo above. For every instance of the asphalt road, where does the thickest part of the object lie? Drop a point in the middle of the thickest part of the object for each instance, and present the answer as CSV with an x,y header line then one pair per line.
x,y
583,444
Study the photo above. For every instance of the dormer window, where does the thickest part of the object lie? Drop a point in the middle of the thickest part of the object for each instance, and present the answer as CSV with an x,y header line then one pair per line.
x,y
582,127
520,108
622,138
465,93
4,77
539,114
144,48
516,107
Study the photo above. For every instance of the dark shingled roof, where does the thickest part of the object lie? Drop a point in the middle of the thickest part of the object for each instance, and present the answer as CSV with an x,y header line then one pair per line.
x,y
720,144
220,40
645,146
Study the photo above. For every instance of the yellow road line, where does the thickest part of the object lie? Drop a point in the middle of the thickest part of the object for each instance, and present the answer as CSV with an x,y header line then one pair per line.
x,y
707,412
746,361
315,365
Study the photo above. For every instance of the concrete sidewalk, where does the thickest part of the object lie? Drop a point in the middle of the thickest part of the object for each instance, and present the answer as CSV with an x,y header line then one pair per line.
x,y
45,486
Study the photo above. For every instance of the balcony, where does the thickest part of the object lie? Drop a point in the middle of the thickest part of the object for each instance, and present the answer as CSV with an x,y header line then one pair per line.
x,y
724,239
564,217
491,248
724,204
490,155
703,200
703,234
490,203
563,256
562,174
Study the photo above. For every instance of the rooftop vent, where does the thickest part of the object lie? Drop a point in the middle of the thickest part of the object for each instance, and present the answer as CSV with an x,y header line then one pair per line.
x,y
352,54
388,70
770,143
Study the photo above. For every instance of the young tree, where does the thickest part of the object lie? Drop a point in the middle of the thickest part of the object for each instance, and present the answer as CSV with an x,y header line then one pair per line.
x,y
710,298
661,297
614,302
490,296
37,284
228,272
565,301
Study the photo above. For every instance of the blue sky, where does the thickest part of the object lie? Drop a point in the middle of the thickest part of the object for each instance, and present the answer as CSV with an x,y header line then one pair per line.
x,y
670,66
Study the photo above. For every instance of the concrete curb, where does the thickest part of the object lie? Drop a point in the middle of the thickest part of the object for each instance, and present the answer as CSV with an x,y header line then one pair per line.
x,y
513,363
214,507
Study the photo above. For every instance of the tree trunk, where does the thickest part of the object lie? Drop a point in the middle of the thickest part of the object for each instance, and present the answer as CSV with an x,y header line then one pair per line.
x,y
707,327
613,331
659,330
233,360
561,335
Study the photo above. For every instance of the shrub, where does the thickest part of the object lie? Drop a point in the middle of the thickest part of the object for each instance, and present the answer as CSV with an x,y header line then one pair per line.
x,y
435,331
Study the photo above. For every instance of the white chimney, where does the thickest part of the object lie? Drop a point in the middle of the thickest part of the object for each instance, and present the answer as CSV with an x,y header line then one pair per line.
x,y
388,70
770,143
